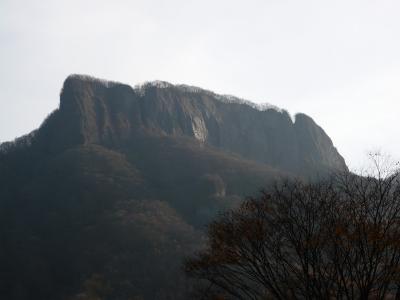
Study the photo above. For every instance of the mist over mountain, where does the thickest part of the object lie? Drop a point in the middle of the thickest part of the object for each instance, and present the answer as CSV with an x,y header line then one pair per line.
x,y
115,187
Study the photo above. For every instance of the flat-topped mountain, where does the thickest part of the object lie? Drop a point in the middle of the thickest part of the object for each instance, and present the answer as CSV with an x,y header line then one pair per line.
x,y
115,187
93,111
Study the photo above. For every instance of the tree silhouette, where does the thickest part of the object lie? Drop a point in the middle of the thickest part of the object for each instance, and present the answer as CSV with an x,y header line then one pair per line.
x,y
335,239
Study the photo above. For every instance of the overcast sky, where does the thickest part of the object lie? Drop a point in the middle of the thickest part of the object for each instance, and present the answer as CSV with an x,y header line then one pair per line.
x,y
337,61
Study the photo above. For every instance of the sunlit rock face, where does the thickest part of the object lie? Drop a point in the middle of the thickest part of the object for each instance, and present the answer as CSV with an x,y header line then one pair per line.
x,y
111,113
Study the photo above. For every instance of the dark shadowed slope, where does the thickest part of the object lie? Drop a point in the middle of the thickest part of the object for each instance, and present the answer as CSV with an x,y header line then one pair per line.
x,y
114,188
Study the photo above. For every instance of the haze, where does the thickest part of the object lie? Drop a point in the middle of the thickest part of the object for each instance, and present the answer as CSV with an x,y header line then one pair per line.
x,y
337,61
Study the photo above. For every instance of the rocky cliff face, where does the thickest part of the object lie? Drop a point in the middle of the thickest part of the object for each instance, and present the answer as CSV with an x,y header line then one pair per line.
x,y
115,187
101,112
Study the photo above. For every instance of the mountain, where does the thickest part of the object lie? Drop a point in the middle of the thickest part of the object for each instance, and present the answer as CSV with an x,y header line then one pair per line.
x,y
111,192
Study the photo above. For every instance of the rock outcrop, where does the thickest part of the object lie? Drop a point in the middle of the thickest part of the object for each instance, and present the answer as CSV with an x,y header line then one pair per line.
x,y
115,188
109,113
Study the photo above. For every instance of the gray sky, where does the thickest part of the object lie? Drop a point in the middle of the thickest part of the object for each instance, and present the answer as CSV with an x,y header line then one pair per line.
x,y
338,61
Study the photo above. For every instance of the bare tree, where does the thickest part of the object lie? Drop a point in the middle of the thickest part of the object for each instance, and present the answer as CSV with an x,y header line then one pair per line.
x,y
335,239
